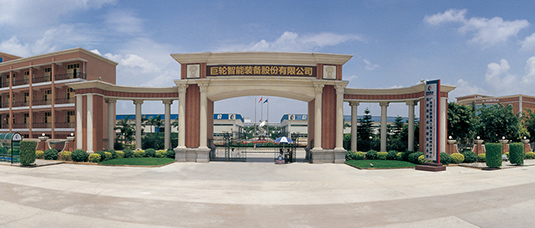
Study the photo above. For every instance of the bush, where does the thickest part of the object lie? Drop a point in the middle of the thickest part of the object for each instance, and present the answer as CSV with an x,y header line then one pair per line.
x,y
469,157
360,155
94,157
350,155
139,153
457,158
51,154
39,154
392,155
65,155
171,153
406,155
150,153
108,156
493,155
113,153
382,155
530,155
399,156
102,155
79,155
119,154
516,153
128,153
27,152
161,153
371,155
413,157
421,159
445,158
481,157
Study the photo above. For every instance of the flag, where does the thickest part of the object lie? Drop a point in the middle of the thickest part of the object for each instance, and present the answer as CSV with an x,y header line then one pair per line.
x,y
260,101
266,100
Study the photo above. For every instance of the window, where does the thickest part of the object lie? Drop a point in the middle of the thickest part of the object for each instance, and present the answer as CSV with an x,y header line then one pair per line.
x,y
26,119
26,76
70,93
70,117
48,73
47,96
26,97
47,117
73,70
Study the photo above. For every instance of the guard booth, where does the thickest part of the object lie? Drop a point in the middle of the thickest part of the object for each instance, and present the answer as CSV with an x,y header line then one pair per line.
x,y
10,147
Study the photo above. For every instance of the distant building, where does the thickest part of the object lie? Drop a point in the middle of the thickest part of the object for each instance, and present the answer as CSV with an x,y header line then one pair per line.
x,y
519,102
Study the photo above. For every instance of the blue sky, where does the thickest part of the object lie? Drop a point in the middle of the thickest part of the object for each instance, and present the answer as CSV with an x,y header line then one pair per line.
x,y
480,47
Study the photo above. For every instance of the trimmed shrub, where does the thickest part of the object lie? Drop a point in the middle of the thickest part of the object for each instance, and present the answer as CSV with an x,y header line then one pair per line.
x,y
119,154
150,153
399,156
493,155
102,155
392,155
406,155
65,155
360,155
350,155
139,153
171,153
108,156
469,157
445,158
51,154
421,159
413,157
39,154
161,153
128,153
94,157
79,155
516,153
371,155
382,155
113,153
481,157
27,152
530,155
457,158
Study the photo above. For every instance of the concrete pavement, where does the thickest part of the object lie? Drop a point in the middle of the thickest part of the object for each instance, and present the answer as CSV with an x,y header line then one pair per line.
x,y
263,195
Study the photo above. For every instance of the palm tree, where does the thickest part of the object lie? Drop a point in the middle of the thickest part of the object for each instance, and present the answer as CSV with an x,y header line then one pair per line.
x,y
158,122
127,130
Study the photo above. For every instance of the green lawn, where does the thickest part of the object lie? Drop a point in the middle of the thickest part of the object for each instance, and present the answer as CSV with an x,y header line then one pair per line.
x,y
382,164
138,161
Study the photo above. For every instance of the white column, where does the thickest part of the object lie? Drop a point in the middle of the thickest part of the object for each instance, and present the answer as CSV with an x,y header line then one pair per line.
x,y
384,106
111,122
167,123
182,115
411,105
354,124
318,88
79,121
443,123
203,138
89,123
138,104
339,117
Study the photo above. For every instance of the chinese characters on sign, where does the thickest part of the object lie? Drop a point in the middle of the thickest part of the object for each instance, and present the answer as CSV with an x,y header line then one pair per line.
x,y
261,70
432,104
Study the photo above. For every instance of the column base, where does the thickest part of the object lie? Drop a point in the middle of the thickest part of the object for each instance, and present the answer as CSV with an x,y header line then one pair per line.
x,y
180,154
339,155
320,156
200,155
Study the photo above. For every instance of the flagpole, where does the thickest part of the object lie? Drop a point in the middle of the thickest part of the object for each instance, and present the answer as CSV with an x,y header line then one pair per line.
x,y
254,130
267,118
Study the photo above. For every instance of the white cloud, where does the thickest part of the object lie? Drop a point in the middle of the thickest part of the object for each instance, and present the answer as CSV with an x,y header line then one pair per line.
x,y
124,22
484,31
464,88
370,66
529,43
501,81
290,41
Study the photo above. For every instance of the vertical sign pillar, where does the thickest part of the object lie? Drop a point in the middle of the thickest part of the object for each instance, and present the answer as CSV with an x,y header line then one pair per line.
x,y
354,123
79,121
432,120
138,104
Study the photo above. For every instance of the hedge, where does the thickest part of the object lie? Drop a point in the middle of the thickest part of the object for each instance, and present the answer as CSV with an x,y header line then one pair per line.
x,y
350,155
371,155
421,159
51,154
493,155
530,155
65,155
79,155
457,158
360,155
481,157
94,157
27,152
469,157
516,153
40,154
445,158
171,153
382,155
150,153
392,155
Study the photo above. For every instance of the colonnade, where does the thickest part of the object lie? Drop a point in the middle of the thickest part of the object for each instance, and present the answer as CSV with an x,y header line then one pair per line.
x,y
384,105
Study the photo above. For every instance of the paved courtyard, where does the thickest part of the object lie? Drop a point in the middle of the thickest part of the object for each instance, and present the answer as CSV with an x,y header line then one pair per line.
x,y
264,195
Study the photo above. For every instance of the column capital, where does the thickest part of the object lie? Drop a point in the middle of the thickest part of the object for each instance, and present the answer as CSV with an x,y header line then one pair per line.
x,y
166,101
136,102
384,103
340,89
414,102
354,103
182,88
111,100
318,88
203,87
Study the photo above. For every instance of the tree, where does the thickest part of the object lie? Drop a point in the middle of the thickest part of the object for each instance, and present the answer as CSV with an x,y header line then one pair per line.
x,y
528,120
365,130
127,130
462,123
497,121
